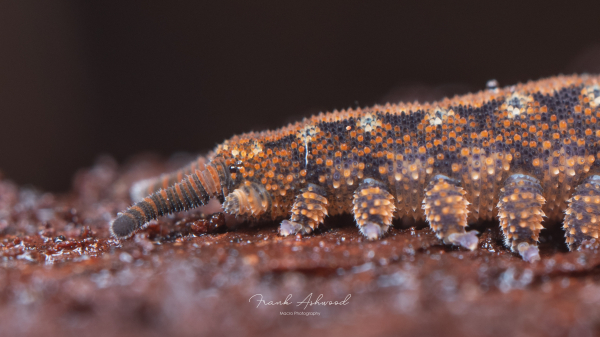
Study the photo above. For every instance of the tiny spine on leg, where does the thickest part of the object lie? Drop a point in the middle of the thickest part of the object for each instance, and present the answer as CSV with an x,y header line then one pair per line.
x,y
446,211
308,212
373,208
194,190
582,219
520,214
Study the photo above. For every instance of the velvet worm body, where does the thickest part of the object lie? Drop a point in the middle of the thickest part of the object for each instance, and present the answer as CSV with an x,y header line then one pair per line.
x,y
521,154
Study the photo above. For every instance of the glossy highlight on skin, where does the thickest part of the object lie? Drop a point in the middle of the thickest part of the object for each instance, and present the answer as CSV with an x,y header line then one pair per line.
x,y
517,153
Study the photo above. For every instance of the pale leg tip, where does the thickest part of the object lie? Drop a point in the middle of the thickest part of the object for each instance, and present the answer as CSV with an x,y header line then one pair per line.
x,y
289,228
468,240
528,252
373,231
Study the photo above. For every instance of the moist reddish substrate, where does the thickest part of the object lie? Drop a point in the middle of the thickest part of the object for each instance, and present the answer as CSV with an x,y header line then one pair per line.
x,y
62,274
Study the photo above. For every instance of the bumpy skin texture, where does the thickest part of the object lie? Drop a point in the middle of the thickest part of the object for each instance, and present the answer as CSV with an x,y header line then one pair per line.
x,y
547,130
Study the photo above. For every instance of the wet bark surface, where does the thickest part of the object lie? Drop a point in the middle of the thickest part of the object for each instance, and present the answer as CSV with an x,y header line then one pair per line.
x,y
189,274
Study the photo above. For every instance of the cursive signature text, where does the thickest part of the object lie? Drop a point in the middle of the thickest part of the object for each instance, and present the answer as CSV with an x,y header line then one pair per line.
x,y
259,298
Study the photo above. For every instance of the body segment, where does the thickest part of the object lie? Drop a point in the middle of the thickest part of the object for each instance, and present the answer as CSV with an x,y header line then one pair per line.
x,y
545,133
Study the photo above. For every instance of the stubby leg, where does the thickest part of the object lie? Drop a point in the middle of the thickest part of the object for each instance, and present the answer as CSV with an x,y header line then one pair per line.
x,y
446,211
373,208
309,210
250,201
520,214
582,220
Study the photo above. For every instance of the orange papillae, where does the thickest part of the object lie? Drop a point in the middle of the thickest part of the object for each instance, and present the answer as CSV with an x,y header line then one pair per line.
x,y
478,139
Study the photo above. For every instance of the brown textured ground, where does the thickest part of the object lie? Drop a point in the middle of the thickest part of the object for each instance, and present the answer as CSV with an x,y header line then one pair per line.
x,y
61,273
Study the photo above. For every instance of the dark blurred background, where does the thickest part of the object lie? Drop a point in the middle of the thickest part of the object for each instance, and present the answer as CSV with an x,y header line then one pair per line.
x,y
84,78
